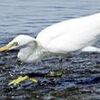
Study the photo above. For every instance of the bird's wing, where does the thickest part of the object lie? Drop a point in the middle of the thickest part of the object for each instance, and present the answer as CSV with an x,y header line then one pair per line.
x,y
64,44
69,35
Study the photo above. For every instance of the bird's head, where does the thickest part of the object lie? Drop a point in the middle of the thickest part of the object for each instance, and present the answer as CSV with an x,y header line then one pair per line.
x,y
20,40
30,50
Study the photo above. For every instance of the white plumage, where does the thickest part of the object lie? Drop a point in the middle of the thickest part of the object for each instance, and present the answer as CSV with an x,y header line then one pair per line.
x,y
61,38
70,35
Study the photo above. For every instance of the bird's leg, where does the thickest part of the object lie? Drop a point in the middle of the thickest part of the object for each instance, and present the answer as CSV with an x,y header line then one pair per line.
x,y
21,79
18,80
60,63
30,76
60,60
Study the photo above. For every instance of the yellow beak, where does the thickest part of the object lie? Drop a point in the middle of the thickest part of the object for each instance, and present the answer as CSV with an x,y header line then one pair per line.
x,y
5,48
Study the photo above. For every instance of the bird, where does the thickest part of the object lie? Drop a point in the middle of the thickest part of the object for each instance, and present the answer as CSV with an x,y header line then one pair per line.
x,y
77,34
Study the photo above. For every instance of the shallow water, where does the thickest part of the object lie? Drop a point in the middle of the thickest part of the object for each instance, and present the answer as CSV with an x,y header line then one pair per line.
x,y
80,79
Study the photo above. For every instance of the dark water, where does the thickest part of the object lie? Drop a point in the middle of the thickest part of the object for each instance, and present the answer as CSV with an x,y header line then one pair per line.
x,y
81,72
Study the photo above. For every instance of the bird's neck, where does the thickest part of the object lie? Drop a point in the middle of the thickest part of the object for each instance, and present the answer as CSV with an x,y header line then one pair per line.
x,y
37,54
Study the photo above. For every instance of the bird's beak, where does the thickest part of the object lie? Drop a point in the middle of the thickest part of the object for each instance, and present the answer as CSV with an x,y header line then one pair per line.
x,y
9,46
5,48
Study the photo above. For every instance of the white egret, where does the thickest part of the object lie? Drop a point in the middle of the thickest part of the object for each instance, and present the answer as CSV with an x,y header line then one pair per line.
x,y
60,39
78,34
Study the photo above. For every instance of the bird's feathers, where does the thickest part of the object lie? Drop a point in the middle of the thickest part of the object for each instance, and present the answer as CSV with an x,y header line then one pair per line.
x,y
61,38
31,52
70,35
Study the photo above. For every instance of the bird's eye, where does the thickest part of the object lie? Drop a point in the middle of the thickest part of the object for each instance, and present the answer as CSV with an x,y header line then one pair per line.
x,y
15,44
